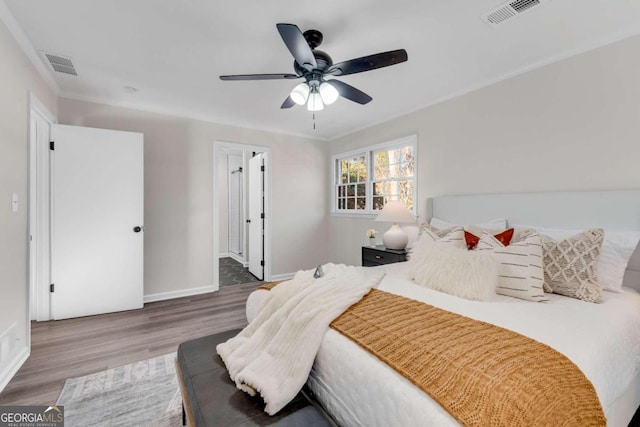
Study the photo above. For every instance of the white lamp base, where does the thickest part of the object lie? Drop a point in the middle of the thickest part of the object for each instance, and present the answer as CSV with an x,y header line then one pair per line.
x,y
395,238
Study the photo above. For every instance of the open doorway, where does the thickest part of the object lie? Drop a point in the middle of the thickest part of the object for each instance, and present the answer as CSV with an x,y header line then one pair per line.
x,y
241,205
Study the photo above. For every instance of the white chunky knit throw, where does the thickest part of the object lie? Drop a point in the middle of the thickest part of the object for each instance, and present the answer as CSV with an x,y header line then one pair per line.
x,y
274,354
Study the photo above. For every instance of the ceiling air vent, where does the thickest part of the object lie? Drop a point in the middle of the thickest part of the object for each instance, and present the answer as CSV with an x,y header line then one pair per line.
x,y
510,10
61,64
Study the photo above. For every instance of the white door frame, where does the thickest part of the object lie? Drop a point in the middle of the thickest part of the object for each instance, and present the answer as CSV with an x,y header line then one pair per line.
x,y
218,146
39,219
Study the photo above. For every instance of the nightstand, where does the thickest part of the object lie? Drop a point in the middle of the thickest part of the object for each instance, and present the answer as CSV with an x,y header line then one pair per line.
x,y
379,255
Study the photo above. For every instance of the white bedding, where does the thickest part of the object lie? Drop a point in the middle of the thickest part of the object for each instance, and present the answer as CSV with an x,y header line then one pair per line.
x,y
603,340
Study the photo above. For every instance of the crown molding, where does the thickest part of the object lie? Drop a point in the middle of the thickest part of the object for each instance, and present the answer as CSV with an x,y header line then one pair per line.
x,y
584,48
184,114
27,47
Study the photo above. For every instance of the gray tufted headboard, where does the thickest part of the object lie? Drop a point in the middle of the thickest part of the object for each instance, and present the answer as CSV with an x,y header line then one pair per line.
x,y
611,210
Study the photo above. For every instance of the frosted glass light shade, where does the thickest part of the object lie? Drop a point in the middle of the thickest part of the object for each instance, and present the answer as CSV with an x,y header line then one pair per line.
x,y
329,93
300,93
315,102
395,211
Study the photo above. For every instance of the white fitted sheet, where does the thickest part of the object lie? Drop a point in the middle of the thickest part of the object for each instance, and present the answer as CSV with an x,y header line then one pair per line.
x,y
603,340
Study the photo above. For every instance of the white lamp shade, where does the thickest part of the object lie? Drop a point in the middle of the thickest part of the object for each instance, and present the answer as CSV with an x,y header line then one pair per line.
x,y
395,211
315,102
300,93
329,93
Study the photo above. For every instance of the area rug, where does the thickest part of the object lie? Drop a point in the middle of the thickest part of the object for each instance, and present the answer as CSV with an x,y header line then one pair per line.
x,y
140,394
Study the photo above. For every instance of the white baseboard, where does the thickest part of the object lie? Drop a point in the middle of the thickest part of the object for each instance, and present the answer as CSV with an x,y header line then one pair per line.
x,y
178,294
238,258
281,277
224,255
13,366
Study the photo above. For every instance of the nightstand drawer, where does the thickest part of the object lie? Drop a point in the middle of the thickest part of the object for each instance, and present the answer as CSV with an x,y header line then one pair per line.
x,y
380,256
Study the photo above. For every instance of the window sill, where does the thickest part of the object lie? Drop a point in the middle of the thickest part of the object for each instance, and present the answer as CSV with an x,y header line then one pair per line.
x,y
354,215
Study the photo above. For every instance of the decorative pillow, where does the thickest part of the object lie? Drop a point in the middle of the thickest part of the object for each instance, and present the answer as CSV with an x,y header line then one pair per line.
x,y
520,272
570,265
614,256
452,238
494,224
470,275
503,237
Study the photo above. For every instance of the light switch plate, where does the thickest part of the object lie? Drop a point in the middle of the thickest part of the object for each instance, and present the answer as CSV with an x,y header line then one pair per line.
x,y
14,202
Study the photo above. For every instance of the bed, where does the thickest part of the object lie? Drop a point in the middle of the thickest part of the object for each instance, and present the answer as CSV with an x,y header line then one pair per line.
x,y
603,340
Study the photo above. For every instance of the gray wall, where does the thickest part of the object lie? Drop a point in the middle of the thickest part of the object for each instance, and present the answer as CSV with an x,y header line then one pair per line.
x,y
179,192
572,125
18,77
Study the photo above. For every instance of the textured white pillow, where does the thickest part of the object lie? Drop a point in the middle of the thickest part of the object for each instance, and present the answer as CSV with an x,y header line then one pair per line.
x,y
452,238
494,224
520,272
459,272
617,248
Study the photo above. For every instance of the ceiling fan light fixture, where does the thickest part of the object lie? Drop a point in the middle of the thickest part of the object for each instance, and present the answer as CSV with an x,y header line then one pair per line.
x,y
329,93
315,102
300,93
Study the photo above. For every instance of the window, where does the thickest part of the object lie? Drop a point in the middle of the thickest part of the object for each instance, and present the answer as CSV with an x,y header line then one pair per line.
x,y
365,180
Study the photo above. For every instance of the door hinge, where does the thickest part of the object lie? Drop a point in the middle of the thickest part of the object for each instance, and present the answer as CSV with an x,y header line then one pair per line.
x,y
262,263
52,145
262,216
52,288
262,168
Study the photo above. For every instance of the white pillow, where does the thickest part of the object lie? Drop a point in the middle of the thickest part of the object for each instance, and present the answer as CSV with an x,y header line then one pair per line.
x,y
452,238
617,248
494,224
458,272
520,272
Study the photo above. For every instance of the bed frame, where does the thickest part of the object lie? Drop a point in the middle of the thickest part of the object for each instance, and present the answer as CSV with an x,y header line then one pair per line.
x,y
612,210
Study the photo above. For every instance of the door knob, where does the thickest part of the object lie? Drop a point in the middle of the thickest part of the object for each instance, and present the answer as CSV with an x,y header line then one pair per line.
x,y
137,229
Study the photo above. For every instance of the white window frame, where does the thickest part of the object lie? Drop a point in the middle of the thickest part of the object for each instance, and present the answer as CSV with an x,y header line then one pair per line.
x,y
368,152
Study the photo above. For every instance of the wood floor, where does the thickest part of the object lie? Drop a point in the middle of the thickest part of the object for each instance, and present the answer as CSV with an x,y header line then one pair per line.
x,y
76,347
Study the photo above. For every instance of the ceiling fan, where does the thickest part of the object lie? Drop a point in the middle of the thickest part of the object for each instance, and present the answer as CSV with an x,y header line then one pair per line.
x,y
315,65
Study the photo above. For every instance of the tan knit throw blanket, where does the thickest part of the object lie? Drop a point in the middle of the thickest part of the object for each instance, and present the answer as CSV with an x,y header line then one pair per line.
x,y
483,375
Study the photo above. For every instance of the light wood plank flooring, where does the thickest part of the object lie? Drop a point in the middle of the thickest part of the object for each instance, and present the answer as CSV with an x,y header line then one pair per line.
x,y
76,347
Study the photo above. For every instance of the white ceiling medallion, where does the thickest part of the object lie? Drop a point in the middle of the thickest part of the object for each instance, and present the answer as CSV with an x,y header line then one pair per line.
x,y
59,63
510,10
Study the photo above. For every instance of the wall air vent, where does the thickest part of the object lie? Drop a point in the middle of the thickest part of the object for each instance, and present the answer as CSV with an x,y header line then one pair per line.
x,y
60,64
510,10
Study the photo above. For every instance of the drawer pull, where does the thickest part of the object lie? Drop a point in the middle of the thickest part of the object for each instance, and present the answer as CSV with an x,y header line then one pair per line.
x,y
378,257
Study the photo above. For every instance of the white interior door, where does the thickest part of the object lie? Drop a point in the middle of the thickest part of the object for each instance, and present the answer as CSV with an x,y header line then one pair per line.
x,y
256,216
97,221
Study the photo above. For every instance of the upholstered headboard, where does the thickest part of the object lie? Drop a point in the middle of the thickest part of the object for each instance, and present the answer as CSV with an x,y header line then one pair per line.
x,y
611,210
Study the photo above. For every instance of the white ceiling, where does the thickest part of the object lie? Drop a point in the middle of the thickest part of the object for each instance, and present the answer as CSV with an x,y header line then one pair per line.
x,y
174,50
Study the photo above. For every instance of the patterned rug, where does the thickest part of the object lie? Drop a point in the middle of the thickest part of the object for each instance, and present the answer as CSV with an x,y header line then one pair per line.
x,y
140,394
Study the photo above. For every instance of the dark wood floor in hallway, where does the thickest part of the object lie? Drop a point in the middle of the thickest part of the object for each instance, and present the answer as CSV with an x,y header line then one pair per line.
x,y
76,347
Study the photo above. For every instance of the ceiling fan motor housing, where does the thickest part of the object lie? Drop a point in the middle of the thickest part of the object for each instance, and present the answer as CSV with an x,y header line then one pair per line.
x,y
323,61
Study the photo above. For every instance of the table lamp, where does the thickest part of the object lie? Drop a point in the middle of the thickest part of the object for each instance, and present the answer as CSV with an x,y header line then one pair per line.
x,y
395,211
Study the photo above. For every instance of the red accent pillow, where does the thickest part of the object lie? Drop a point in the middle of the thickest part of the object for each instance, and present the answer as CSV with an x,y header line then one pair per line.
x,y
503,237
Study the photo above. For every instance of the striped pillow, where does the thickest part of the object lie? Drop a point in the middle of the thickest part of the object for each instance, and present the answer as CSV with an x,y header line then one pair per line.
x,y
520,272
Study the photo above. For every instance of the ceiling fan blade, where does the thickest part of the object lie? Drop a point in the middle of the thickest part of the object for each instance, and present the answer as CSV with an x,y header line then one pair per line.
x,y
350,92
366,63
260,77
288,103
297,45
